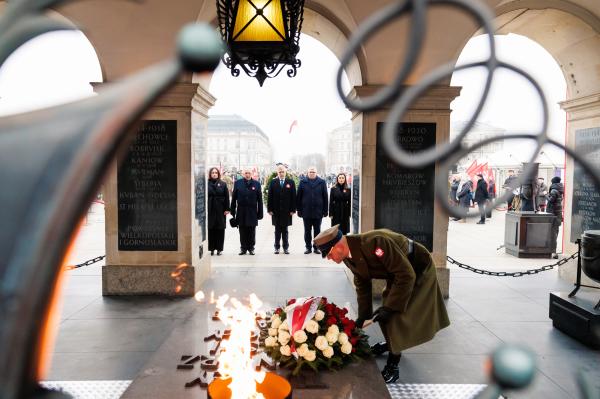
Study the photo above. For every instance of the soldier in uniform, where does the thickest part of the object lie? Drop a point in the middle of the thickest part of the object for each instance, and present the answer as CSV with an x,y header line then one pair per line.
x,y
413,309
247,210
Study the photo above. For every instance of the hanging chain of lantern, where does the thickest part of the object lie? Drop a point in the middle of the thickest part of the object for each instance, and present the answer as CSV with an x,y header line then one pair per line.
x,y
262,36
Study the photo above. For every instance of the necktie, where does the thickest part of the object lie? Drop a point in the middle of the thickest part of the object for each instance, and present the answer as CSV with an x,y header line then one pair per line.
x,y
281,183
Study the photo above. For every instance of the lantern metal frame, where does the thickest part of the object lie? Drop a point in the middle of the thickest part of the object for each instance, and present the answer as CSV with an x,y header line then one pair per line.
x,y
261,59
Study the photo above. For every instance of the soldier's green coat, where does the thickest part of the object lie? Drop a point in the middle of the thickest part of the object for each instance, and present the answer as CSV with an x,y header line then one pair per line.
x,y
412,291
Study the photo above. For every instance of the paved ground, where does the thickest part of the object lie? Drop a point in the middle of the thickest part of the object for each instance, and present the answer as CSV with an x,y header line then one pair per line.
x,y
112,338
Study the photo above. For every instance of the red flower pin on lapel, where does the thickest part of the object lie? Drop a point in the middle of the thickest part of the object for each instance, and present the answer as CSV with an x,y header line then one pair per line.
x,y
287,186
379,252
253,188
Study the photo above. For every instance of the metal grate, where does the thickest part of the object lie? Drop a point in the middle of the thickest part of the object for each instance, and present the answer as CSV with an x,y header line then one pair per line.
x,y
89,389
435,391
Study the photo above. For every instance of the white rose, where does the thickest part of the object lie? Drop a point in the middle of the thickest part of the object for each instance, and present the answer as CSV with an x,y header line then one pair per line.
x,y
285,350
333,329
300,336
272,332
284,337
310,355
270,341
275,321
328,352
302,350
332,337
321,342
347,348
312,326
283,326
319,315
343,338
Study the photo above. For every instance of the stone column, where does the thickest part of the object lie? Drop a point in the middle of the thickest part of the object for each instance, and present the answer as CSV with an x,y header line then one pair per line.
x,y
155,248
433,107
583,115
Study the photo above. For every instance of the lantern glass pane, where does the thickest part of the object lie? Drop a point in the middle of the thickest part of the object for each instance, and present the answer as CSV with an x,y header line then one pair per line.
x,y
259,29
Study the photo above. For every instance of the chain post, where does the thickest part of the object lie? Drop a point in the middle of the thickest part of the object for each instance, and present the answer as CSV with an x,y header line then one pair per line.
x,y
512,274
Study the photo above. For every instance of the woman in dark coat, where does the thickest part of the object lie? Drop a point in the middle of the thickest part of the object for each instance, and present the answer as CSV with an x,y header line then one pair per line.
x,y
555,207
218,208
339,204
464,196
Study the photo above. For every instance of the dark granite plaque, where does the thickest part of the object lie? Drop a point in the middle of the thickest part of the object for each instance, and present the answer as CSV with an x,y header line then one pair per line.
x,y
356,169
147,190
200,168
586,196
404,197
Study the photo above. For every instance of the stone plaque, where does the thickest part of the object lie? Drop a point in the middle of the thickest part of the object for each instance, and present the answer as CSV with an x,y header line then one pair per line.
x,y
404,197
147,189
586,196
356,171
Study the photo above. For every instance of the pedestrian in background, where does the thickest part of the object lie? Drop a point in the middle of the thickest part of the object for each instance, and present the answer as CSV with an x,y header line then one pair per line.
x,y
247,210
555,204
481,197
464,196
542,197
510,184
311,203
339,204
218,208
491,197
281,205
454,189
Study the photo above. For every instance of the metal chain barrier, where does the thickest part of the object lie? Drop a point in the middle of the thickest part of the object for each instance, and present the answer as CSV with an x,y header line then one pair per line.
x,y
512,274
86,263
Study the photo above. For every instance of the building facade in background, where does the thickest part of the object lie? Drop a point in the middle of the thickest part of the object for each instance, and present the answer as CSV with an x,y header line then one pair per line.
x,y
234,143
339,150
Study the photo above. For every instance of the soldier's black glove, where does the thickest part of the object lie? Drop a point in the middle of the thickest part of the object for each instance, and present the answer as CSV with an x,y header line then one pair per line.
x,y
360,322
382,315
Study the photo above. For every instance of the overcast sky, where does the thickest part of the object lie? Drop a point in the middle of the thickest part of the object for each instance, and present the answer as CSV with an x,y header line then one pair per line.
x,y
57,67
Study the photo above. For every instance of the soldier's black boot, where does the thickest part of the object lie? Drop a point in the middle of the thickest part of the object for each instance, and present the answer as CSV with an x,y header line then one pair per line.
x,y
379,348
390,372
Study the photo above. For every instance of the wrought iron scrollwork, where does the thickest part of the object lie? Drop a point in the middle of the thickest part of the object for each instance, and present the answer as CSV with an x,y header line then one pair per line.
x,y
401,97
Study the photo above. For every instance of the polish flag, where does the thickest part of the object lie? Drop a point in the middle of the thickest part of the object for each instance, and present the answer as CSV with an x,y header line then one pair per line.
x,y
298,314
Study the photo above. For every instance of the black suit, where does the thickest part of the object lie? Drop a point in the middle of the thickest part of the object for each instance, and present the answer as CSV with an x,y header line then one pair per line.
x,y
218,204
247,209
282,203
339,207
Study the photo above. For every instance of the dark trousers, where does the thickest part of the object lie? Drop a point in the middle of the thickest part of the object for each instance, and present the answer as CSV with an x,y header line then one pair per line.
x,y
489,207
247,237
554,233
481,212
314,225
281,233
216,237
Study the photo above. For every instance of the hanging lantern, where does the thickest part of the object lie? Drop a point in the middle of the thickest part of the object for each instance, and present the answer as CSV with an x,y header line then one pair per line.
x,y
262,36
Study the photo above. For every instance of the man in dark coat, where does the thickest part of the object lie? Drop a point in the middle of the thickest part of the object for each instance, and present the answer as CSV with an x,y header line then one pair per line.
x,y
555,207
247,210
311,203
281,205
413,308
481,197
510,184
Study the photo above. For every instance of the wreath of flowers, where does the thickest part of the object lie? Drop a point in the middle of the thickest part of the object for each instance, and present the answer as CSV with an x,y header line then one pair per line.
x,y
329,340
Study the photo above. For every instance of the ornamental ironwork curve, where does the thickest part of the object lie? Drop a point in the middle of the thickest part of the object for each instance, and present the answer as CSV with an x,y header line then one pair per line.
x,y
401,96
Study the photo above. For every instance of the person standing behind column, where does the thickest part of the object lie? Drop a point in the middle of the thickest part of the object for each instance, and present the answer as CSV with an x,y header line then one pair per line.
x,y
481,197
339,204
311,203
510,184
464,195
491,197
247,209
542,197
281,205
554,206
218,208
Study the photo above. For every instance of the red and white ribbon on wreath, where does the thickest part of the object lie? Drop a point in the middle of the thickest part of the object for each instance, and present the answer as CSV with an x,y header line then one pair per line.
x,y
298,313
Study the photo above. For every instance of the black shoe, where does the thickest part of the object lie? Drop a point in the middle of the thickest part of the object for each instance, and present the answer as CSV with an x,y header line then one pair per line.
x,y
390,373
285,251
456,219
481,222
317,251
379,348
554,256
242,253
276,251
219,253
251,252
307,251
212,253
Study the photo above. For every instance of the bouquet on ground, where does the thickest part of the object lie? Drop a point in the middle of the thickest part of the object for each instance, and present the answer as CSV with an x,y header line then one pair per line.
x,y
313,333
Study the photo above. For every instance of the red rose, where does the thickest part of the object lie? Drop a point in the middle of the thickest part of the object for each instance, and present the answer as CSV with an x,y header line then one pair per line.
x,y
278,311
353,340
351,324
348,331
323,300
331,320
291,301
329,308
353,350
344,311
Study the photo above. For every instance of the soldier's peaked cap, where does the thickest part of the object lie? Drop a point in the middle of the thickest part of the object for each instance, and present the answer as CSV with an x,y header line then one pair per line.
x,y
327,239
